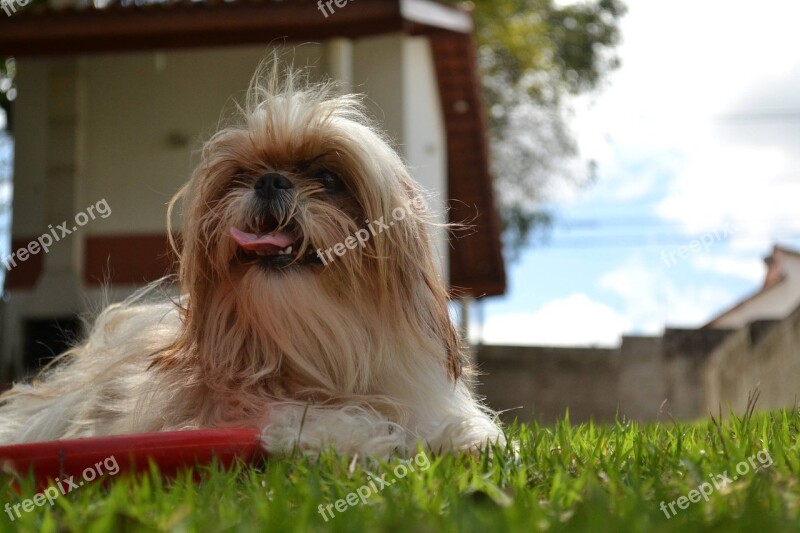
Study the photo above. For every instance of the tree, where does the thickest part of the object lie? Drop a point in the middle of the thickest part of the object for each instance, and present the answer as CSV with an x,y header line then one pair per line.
x,y
8,91
533,55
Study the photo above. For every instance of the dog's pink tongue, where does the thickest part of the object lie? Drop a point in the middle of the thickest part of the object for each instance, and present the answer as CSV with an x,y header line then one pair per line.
x,y
251,241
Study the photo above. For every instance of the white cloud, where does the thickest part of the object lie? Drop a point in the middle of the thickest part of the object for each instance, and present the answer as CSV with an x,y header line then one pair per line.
x,y
685,65
650,299
575,320
750,269
5,194
745,185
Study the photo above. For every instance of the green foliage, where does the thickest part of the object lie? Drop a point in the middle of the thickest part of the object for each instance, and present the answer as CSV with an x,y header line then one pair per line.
x,y
566,477
8,91
534,54
8,70
567,48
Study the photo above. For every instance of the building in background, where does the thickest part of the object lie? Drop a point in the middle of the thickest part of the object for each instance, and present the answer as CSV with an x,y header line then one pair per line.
x,y
112,102
685,374
779,296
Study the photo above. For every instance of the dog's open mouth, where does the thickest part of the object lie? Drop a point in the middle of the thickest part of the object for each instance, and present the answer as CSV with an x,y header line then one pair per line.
x,y
268,244
271,246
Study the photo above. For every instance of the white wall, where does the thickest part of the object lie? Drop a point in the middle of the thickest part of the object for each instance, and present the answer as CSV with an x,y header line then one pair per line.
x,y
425,141
397,74
136,104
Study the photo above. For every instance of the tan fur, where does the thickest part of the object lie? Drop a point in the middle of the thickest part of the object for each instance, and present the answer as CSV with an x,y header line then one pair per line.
x,y
359,354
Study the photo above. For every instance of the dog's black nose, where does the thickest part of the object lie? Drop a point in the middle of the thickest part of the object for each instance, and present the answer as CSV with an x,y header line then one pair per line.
x,y
267,185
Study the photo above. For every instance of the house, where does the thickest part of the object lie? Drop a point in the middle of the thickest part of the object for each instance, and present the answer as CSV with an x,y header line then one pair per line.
x,y
763,353
683,374
113,100
778,296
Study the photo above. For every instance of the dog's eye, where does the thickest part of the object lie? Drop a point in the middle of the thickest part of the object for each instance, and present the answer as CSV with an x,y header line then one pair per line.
x,y
329,180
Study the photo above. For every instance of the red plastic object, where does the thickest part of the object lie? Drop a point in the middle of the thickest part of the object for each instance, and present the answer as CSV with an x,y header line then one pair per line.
x,y
169,450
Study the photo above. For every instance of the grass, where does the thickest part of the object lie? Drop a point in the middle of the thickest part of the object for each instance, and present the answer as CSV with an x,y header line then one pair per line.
x,y
584,477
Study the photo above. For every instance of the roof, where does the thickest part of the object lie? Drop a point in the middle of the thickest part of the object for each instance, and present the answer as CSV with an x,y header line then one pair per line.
x,y
123,26
476,261
774,277
775,265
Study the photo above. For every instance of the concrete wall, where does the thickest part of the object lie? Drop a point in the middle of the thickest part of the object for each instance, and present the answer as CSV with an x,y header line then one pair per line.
x,y
641,380
685,351
544,382
686,374
642,387
764,356
636,381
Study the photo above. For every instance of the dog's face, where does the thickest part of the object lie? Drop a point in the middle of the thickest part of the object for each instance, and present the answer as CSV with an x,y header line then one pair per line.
x,y
270,260
279,194
280,213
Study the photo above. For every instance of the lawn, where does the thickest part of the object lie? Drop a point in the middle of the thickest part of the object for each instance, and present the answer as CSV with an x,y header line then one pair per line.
x,y
581,477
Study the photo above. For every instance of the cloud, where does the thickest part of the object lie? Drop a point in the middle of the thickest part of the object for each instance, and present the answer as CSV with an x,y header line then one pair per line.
x,y
746,185
650,299
747,268
575,320
669,102
6,192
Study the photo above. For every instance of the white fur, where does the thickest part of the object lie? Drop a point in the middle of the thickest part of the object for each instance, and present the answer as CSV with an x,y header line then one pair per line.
x,y
359,355
108,389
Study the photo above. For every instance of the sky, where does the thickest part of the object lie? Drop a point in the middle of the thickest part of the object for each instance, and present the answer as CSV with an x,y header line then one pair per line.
x,y
697,138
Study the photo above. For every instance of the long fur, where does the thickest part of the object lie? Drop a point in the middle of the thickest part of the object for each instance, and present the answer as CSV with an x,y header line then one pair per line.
x,y
359,355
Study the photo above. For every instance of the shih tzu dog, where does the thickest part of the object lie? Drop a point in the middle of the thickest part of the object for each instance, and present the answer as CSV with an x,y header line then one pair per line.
x,y
354,351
